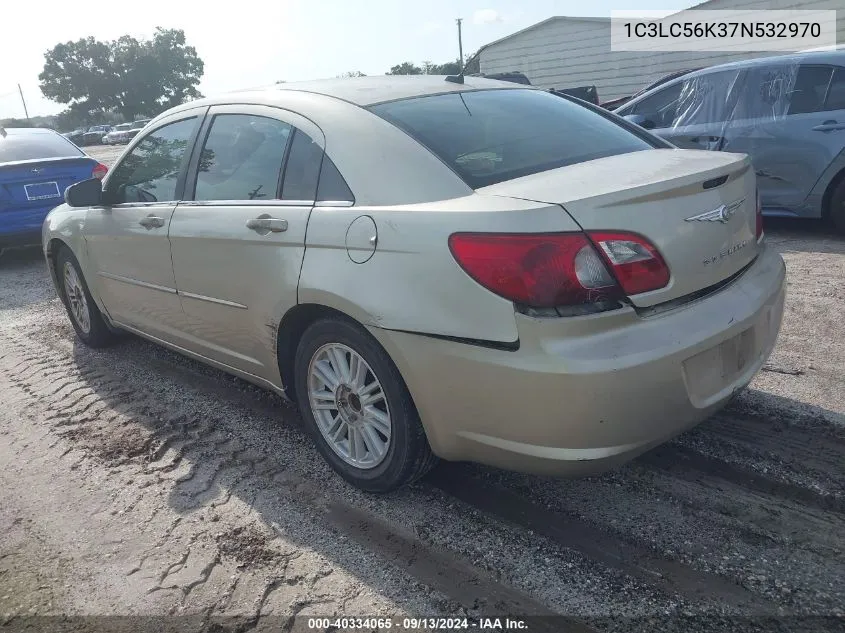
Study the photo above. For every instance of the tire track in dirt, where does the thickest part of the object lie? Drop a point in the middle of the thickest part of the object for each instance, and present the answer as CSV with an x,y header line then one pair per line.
x,y
460,581
623,554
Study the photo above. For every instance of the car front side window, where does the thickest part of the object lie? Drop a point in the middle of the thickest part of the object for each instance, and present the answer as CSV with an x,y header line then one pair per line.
x,y
151,170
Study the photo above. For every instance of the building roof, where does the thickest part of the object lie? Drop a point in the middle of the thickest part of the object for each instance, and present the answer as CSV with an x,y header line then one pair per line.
x,y
554,18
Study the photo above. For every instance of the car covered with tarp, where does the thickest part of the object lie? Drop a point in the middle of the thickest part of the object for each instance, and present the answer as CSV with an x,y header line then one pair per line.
x,y
786,112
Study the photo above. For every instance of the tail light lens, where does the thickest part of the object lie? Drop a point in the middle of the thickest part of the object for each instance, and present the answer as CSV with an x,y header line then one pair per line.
x,y
542,271
759,216
99,171
637,264
560,269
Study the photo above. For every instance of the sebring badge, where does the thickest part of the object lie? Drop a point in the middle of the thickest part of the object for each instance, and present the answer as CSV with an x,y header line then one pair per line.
x,y
721,214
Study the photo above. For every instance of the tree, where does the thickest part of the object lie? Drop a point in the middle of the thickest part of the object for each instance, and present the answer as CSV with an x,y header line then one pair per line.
x,y
427,68
405,68
128,76
352,73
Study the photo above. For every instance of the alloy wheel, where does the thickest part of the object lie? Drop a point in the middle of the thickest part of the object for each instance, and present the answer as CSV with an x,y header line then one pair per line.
x,y
76,298
349,405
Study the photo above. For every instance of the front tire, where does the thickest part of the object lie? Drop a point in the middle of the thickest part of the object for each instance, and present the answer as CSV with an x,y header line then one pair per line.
x,y
836,212
85,316
357,408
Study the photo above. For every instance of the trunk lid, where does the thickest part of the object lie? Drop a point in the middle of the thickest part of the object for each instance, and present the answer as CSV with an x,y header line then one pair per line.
x,y
29,184
672,198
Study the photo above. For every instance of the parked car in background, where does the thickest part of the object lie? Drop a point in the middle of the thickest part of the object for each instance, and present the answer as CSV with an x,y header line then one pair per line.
x,y
469,286
118,134
514,77
36,166
586,93
136,127
613,104
77,137
94,135
786,112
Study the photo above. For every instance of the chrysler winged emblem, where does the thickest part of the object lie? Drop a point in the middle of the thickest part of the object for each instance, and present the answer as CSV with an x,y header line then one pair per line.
x,y
720,214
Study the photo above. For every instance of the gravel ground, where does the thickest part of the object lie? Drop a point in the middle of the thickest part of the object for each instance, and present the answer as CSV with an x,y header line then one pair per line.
x,y
136,482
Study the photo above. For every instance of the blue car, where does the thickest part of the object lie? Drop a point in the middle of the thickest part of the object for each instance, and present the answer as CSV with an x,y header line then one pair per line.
x,y
36,166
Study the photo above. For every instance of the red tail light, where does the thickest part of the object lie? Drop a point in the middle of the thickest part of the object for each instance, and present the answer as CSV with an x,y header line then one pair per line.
x,y
537,270
637,264
99,171
759,216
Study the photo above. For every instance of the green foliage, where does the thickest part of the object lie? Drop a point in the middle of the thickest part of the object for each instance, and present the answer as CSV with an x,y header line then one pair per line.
x,y
353,73
129,77
427,68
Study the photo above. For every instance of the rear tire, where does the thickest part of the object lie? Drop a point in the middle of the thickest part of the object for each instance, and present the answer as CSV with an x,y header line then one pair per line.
x,y
836,211
84,315
357,408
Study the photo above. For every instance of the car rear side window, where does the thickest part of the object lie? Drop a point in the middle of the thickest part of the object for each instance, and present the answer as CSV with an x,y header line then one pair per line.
x,y
242,158
27,144
150,172
332,186
490,136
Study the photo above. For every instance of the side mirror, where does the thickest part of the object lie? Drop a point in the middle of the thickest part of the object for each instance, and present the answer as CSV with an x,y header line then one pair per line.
x,y
640,119
88,193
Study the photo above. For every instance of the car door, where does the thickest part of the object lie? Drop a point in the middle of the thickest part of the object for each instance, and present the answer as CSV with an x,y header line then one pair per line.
x,y
126,238
238,239
793,127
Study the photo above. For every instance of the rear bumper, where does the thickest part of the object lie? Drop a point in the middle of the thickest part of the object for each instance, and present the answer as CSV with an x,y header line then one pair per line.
x,y
577,398
23,227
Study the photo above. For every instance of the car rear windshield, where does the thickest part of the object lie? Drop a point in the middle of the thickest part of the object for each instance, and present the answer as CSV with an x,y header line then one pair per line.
x,y
490,136
24,145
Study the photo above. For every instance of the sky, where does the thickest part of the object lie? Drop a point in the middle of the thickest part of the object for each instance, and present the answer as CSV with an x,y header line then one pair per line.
x,y
251,43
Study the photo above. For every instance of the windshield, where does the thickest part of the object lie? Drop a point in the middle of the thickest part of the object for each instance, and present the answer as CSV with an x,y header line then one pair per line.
x,y
123,126
26,145
491,136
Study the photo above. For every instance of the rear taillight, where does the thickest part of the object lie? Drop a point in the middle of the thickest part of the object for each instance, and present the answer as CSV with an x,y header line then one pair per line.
x,y
99,171
637,264
759,216
537,270
561,269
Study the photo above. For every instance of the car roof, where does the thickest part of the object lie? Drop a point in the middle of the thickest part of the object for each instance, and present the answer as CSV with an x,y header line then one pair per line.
x,y
806,57
365,91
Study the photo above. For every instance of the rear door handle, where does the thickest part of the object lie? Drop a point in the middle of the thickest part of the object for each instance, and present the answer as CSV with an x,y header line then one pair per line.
x,y
264,224
829,126
151,222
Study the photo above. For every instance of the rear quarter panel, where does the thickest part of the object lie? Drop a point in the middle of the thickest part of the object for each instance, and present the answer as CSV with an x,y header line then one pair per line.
x,y
412,282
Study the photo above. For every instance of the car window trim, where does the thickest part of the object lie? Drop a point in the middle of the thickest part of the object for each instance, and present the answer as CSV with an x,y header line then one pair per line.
x,y
199,113
289,117
246,203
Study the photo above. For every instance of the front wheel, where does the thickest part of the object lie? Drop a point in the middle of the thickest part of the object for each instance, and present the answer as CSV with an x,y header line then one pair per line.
x,y
358,409
85,316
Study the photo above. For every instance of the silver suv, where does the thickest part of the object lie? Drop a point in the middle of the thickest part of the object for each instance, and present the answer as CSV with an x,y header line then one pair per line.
x,y
786,112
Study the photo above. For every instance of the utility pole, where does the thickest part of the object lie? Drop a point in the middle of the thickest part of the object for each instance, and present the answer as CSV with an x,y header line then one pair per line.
x,y
460,47
23,101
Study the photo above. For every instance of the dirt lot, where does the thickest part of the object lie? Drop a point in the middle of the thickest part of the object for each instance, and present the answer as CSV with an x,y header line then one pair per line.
x,y
135,482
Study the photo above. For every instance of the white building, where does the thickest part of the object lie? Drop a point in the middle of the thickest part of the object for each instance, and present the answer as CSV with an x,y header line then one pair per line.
x,y
566,52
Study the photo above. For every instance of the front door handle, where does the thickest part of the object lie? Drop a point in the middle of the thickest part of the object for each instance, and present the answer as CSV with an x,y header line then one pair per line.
x,y
829,126
151,222
264,224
